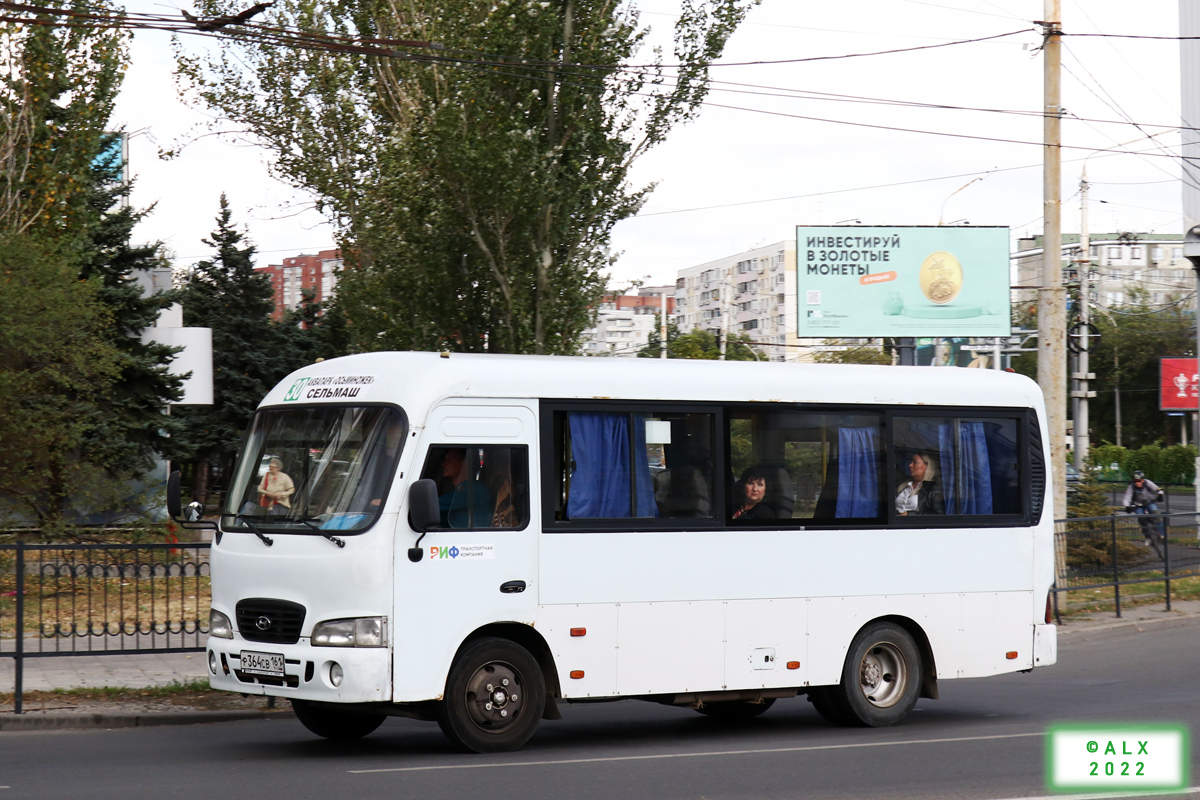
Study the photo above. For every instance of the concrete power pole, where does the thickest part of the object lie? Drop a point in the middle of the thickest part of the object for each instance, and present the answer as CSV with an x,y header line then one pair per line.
x,y
1052,305
1082,377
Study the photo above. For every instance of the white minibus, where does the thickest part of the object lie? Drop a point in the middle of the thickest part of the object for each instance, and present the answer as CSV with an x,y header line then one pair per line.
x,y
477,539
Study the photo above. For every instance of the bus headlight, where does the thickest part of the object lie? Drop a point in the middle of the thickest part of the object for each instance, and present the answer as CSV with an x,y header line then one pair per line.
x,y
358,632
219,625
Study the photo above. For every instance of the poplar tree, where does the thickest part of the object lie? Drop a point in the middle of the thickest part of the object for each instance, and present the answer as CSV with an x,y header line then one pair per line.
x,y
474,184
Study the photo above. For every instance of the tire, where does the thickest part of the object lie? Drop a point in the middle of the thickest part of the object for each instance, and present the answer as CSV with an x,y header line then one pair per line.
x,y
827,700
736,710
334,723
881,679
494,698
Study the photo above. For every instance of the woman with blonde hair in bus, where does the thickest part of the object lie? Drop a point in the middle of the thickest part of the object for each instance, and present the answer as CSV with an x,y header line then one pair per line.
x,y
275,489
921,494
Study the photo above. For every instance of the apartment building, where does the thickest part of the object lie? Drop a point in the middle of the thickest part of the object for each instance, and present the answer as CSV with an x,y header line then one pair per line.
x,y
318,272
1152,262
624,322
752,293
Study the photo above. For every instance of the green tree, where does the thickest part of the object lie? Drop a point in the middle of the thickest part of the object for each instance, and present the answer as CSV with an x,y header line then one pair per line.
x,y
475,186
1125,358
55,358
316,329
128,425
1133,337
250,352
699,343
58,84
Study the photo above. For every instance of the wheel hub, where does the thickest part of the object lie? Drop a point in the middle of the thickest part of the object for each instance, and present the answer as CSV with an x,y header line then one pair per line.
x,y
883,675
493,696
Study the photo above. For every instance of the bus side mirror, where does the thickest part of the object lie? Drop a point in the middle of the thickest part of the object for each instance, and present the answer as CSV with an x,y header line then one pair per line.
x,y
423,512
174,503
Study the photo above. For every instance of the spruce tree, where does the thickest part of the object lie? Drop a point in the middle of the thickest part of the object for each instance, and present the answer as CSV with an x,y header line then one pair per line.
x,y
250,352
128,426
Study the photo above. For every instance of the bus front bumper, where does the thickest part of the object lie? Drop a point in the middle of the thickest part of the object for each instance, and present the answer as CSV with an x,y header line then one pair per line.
x,y
326,674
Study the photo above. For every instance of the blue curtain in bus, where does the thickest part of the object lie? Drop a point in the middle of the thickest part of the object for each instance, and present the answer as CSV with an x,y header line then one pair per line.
x,y
601,483
858,473
966,470
646,504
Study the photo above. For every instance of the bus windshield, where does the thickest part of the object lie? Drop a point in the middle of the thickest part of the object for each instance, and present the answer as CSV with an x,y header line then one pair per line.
x,y
311,469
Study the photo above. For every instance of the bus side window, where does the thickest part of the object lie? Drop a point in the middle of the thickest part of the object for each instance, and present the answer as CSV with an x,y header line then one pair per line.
x,y
811,464
633,464
971,461
480,486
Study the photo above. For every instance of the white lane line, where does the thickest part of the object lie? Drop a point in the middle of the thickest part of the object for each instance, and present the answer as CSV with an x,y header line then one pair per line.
x,y
1114,795
709,754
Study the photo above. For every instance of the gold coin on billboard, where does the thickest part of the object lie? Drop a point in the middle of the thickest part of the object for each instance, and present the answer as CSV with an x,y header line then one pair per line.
x,y
941,277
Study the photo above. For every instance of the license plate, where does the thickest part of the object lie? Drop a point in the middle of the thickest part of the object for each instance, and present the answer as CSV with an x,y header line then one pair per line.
x,y
270,664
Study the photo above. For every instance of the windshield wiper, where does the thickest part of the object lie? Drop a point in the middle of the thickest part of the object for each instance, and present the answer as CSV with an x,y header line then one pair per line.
x,y
267,540
326,534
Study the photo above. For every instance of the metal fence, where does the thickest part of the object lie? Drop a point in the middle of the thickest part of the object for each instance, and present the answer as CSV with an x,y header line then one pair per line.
x,y
97,599
1125,550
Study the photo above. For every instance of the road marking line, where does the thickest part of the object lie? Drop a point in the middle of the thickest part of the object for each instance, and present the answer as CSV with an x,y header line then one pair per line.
x,y
709,754
1112,795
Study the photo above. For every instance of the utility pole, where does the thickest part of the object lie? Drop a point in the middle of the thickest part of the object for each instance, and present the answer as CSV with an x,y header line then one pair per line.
x,y
1052,306
726,290
663,321
1081,393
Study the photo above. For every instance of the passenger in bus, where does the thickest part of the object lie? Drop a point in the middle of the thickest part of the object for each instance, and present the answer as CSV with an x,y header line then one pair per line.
x,y
276,489
921,494
468,503
749,494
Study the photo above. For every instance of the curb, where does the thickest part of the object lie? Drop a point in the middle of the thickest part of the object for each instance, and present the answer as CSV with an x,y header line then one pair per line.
x,y
52,722
1123,626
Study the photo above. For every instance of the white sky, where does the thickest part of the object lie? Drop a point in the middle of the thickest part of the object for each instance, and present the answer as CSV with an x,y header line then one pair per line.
x,y
733,156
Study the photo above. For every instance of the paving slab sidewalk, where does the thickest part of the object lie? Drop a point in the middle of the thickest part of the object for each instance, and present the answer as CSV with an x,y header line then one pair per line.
x,y
149,670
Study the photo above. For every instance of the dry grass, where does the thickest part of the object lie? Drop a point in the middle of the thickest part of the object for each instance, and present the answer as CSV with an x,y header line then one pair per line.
x,y
189,696
1078,603
108,594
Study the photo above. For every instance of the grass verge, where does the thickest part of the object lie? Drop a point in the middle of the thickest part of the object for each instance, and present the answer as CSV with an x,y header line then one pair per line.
x,y
186,695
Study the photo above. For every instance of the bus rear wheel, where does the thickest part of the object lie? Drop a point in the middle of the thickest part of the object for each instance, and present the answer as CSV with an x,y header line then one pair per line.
x,y
336,724
494,698
881,679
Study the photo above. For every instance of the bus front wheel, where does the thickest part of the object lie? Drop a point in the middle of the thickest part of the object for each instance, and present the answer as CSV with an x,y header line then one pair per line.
x,y
881,679
494,698
334,723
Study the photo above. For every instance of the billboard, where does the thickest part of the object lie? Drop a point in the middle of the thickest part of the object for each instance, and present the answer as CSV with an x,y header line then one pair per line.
x,y
1178,385
902,281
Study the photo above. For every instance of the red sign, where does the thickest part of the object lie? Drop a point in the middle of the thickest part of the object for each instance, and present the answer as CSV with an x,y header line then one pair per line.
x,y
1178,384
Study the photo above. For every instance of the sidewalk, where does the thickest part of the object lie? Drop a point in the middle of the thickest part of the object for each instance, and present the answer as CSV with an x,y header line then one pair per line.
x,y
90,672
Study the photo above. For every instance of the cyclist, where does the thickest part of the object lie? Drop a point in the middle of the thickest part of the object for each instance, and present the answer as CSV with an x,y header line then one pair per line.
x,y
1142,497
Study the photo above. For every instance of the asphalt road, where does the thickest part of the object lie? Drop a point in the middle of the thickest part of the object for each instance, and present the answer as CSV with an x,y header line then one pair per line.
x,y
983,739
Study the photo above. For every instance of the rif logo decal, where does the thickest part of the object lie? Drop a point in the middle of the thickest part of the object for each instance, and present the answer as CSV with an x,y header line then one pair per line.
x,y
296,390
455,553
